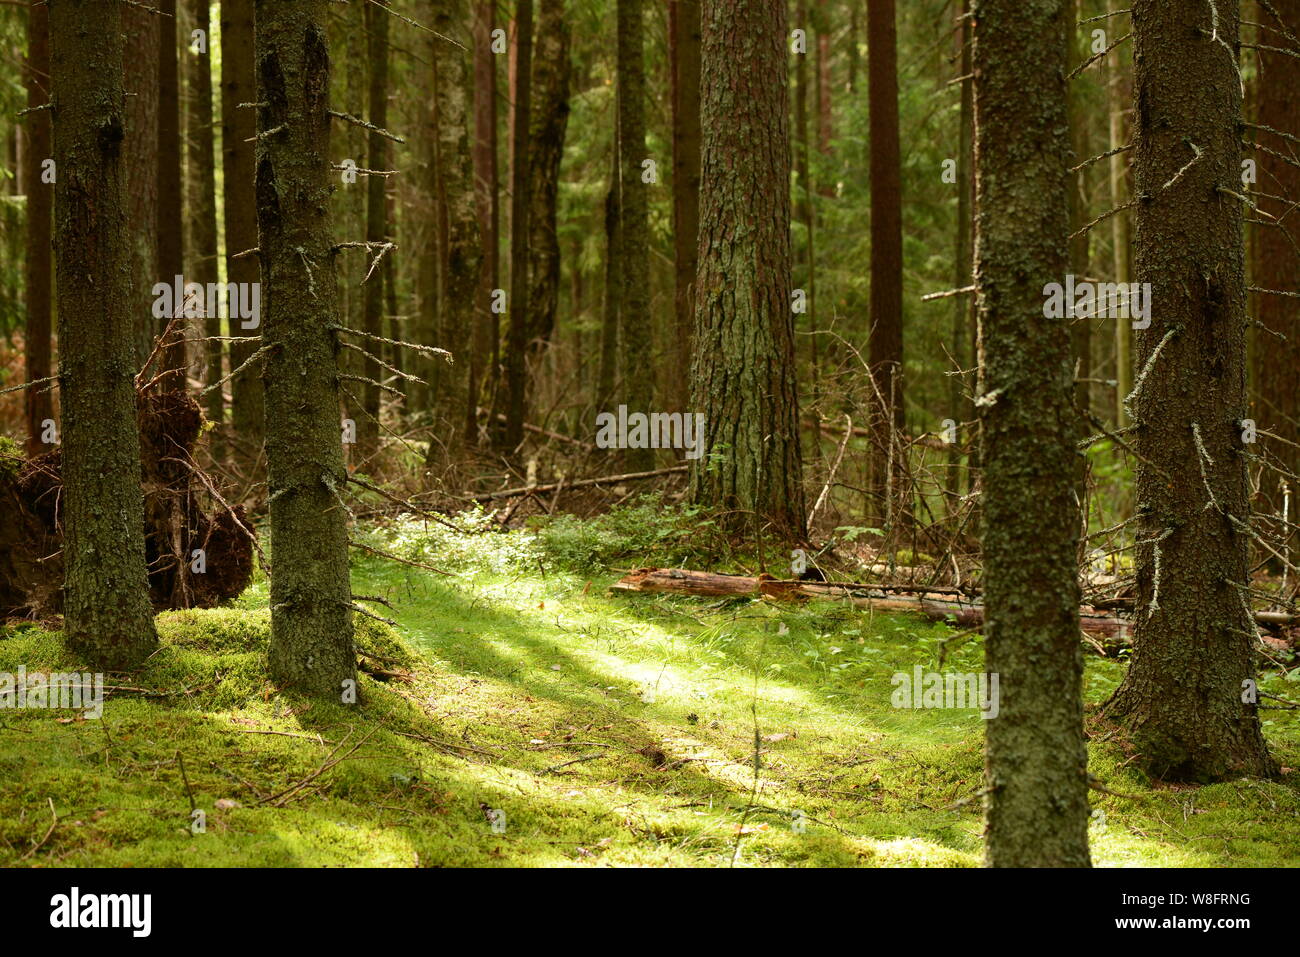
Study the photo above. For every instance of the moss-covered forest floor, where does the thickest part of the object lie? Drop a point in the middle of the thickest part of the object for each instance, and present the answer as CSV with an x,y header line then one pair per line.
x,y
606,730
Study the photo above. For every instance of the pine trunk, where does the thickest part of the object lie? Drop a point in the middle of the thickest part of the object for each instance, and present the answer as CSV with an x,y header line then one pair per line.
x,y
40,203
685,33
202,246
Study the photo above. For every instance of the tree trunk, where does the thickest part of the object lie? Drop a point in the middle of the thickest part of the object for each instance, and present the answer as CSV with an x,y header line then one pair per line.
x,y
519,307
170,210
963,268
609,328
803,175
107,615
40,202
238,126
685,35
1275,261
1081,327
311,620
1119,194
1035,757
886,340
550,117
1182,699
201,147
376,20
634,307
743,372
485,355
140,149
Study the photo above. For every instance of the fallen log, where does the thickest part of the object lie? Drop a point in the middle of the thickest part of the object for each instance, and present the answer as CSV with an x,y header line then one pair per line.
x,y
934,604
579,483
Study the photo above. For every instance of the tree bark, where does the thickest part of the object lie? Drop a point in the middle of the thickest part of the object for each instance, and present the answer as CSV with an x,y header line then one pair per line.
x,y
608,377
238,127
485,356
201,146
40,202
1035,757
885,344
634,307
311,618
376,20
519,306
172,363
107,615
743,373
685,36
1119,194
1182,698
142,163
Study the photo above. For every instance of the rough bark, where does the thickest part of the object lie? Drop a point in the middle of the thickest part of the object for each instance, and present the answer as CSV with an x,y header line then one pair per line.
x,y
40,203
1181,700
238,126
743,373
107,615
1276,263
202,246
1035,758
141,154
311,619
550,118
685,34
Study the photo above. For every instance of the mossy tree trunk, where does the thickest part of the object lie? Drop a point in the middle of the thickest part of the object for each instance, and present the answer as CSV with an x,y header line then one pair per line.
x,y
1035,758
107,615
742,374
311,618
1182,699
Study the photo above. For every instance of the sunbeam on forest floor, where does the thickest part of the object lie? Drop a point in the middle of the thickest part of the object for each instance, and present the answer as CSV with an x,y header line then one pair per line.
x,y
519,715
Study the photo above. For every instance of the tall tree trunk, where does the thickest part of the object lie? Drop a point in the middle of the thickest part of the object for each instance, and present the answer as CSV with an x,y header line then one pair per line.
x,y
685,36
238,127
376,20
550,118
1119,97
170,210
201,146
487,332
459,248
311,618
963,267
886,339
743,371
608,376
1081,328
1182,698
140,149
1275,264
825,122
634,309
40,201
519,307
803,174
107,614
1035,757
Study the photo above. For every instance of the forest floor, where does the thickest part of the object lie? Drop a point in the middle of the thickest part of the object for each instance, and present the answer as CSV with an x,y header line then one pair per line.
x,y
609,730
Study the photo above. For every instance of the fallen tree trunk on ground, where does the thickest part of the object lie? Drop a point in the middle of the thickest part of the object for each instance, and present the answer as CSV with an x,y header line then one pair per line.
x,y
577,483
942,604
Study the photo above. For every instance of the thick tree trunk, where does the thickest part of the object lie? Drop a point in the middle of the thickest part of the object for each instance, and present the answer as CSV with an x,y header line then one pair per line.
x,y
1035,758
634,307
743,374
889,496
107,615
238,126
40,202
519,307
685,35
459,249
202,246
311,620
550,118
376,20
1182,699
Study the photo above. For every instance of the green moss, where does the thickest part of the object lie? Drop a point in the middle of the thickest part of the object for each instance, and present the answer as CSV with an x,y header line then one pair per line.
x,y
517,669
